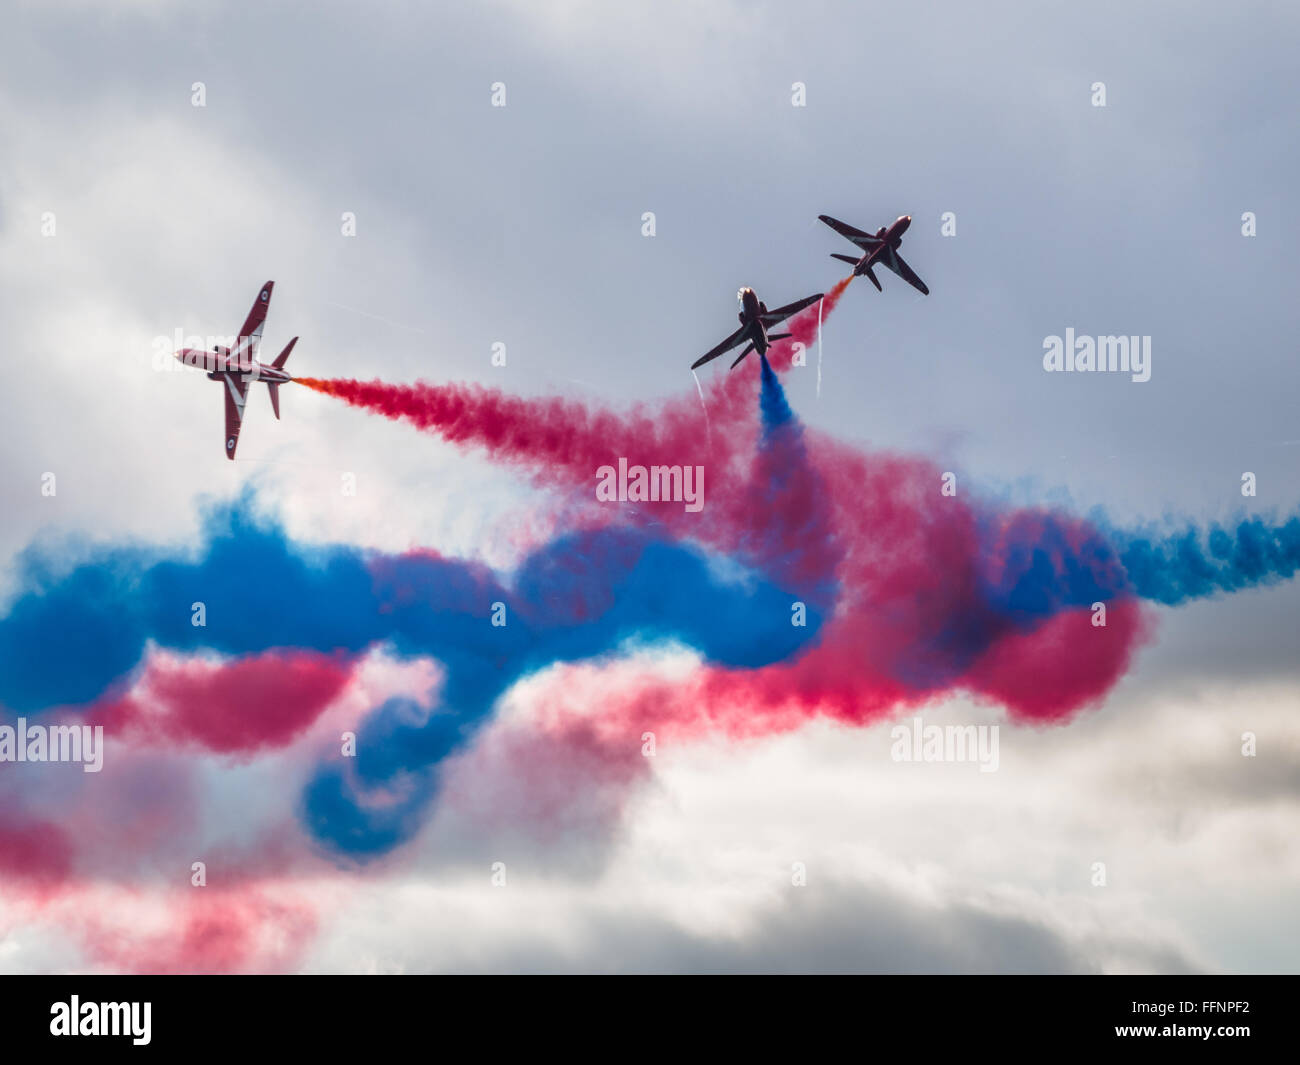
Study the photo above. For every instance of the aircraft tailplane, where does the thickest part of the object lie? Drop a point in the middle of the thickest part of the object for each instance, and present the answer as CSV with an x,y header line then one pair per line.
x,y
748,348
283,357
273,390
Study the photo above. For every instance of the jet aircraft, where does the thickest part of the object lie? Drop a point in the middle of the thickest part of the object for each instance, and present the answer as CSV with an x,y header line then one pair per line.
x,y
755,319
879,247
236,368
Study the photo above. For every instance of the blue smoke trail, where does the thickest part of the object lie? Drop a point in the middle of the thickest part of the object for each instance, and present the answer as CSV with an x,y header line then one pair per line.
x,y
1191,564
1040,564
774,408
71,638
793,537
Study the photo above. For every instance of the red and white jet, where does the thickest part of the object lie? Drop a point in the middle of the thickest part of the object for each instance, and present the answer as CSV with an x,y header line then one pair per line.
x,y
879,247
236,368
755,319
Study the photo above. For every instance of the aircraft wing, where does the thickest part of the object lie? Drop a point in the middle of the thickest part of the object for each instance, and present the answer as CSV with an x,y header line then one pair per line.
x,y
250,333
236,387
782,313
866,241
895,263
725,346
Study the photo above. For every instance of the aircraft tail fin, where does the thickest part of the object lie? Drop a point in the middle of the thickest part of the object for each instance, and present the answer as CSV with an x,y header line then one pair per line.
x,y
283,357
273,390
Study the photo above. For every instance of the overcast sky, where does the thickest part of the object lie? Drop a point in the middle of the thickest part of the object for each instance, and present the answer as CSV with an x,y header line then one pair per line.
x,y
523,225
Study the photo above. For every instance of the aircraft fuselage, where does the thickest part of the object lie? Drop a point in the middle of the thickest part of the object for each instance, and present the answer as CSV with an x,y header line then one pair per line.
x,y
891,237
751,307
221,361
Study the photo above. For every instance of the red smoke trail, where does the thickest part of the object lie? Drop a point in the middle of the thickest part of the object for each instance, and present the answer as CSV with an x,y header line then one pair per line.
x,y
547,433
909,561
34,855
564,442
103,872
563,435
803,325
277,695
911,565
215,931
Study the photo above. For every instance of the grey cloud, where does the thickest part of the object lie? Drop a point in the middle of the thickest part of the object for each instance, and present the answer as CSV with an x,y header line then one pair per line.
x,y
832,927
